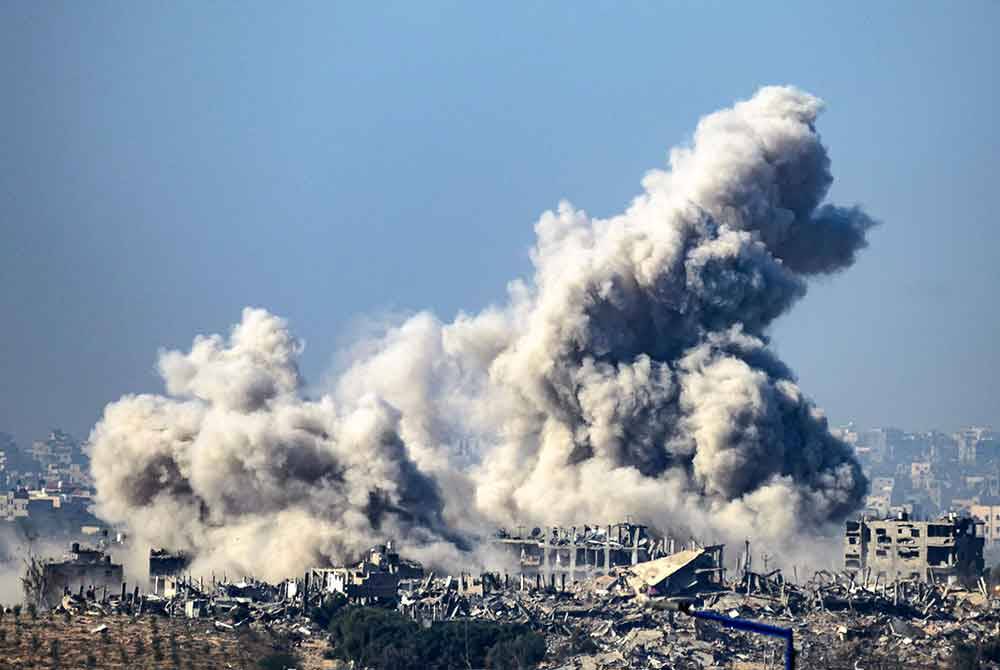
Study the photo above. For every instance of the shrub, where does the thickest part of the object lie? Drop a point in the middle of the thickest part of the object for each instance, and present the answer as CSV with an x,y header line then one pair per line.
x,y
990,650
323,613
385,640
964,657
279,660
524,651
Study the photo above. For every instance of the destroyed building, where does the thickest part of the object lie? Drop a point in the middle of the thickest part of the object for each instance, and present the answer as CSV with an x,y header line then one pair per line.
x,y
930,551
166,563
692,572
166,569
373,580
84,569
581,551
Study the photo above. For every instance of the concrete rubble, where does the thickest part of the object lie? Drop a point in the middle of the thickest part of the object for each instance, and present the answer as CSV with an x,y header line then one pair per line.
x,y
606,622
618,619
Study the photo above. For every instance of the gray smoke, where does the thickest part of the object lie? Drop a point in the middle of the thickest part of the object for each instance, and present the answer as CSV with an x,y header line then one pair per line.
x,y
631,376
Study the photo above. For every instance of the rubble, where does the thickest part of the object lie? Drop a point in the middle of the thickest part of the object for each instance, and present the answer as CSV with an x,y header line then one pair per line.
x,y
622,618
626,623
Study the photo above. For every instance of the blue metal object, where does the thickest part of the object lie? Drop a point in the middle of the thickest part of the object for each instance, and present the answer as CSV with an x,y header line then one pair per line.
x,y
753,627
786,634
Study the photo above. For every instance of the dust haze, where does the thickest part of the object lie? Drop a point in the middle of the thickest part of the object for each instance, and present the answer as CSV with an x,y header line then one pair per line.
x,y
630,375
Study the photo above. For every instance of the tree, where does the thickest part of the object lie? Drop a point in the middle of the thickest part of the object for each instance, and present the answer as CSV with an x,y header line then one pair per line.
x,y
385,640
280,660
34,582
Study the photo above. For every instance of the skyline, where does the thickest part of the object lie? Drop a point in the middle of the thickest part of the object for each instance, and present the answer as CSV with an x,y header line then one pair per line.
x,y
290,161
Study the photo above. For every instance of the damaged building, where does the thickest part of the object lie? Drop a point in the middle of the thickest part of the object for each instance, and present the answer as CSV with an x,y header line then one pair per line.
x,y
166,563
688,573
930,551
166,570
581,551
374,579
84,569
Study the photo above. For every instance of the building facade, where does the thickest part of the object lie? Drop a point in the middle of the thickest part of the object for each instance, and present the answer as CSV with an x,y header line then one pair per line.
x,y
900,548
989,515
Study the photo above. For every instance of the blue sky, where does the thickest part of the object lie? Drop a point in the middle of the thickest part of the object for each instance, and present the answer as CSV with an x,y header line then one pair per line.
x,y
163,165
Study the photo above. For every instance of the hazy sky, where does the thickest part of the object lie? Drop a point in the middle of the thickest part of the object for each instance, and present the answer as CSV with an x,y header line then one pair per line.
x,y
162,165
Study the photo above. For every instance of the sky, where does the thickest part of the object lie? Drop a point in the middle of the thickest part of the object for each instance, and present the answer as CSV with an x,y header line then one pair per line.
x,y
163,165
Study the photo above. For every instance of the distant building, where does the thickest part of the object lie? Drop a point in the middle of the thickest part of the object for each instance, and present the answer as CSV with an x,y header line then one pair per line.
x,y
902,548
977,445
883,485
880,443
15,464
14,505
52,513
963,506
920,474
878,505
989,515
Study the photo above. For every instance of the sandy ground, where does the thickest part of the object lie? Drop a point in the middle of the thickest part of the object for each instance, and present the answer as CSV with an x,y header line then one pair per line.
x,y
137,643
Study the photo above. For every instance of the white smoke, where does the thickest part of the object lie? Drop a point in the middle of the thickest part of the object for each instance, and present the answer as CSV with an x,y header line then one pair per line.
x,y
631,376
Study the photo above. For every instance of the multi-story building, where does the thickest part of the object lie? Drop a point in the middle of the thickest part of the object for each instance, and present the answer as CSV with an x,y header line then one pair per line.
x,y
82,569
881,442
976,445
948,548
14,505
920,474
877,505
60,457
988,512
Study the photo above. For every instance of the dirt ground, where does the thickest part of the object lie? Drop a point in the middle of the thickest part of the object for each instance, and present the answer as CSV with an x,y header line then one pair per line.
x,y
143,643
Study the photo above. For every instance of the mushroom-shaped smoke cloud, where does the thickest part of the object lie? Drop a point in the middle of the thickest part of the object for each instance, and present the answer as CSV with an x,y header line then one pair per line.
x,y
631,376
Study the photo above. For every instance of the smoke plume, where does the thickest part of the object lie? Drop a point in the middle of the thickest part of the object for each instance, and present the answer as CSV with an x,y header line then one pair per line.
x,y
630,376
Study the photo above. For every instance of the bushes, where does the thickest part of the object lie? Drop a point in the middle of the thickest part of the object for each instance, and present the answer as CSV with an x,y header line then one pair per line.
x,y
372,636
524,651
325,612
278,661
385,640
971,656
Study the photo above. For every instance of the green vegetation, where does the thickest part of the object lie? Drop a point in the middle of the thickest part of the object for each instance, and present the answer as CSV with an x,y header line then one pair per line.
x,y
324,613
279,661
385,640
970,657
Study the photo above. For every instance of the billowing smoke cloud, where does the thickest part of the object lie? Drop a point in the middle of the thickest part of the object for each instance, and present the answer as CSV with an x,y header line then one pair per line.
x,y
631,376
